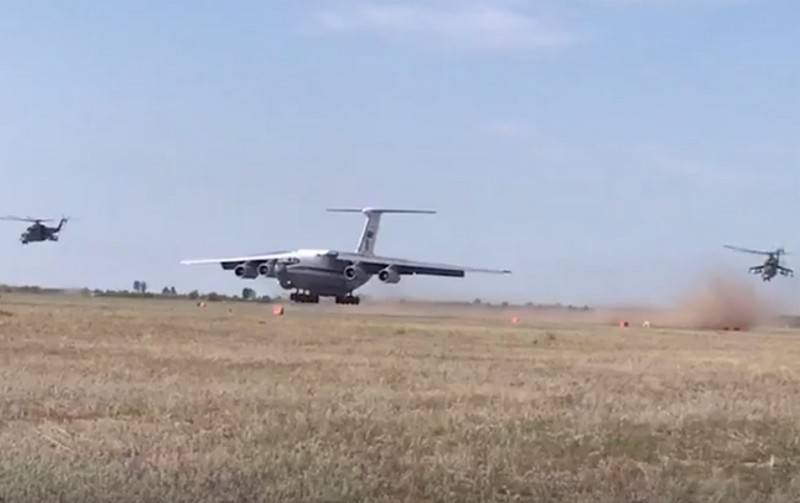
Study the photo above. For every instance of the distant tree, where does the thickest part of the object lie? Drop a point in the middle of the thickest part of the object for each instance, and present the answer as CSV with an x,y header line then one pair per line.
x,y
194,294
165,291
172,291
214,297
265,298
137,286
248,293
476,301
143,286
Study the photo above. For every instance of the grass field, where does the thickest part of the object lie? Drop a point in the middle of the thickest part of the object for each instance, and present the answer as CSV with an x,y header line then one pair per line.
x,y
148,400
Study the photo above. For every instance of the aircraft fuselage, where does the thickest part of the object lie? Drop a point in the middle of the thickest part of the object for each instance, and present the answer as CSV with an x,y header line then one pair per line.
x,y
323,276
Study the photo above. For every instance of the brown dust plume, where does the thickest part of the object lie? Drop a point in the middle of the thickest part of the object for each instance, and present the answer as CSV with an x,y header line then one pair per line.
x,y
720,303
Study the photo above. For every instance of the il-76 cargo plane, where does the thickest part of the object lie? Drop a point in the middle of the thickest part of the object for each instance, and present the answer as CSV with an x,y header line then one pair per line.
x,y
330,273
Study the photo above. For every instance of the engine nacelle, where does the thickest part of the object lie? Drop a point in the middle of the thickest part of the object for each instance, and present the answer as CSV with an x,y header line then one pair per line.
x,y
354,271
267,269
389,275
246,271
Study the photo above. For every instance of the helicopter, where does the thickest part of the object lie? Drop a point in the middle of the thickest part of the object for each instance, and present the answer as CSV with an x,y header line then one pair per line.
x,y
37,231
771,266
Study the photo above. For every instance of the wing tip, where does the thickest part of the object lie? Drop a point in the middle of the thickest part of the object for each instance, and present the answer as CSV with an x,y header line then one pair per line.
x,y
196,261
488,271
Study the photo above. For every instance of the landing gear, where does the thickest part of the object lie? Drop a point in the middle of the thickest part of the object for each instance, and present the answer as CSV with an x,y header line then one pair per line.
x,y
304,297
348,299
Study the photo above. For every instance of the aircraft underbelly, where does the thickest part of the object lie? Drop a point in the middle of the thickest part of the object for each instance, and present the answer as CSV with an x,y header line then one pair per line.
x,y
322,277
318,282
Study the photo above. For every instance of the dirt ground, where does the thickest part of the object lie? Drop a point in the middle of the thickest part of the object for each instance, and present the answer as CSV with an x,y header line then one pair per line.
x,y
159,400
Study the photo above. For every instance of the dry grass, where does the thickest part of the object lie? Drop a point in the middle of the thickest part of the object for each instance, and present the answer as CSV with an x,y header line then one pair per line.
x,y
161,401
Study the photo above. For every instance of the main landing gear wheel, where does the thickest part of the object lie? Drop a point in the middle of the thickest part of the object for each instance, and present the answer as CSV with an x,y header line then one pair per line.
x,y
304,297
348,299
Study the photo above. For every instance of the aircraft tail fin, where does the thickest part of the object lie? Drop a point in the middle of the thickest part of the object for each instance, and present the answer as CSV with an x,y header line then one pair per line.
x,y
366,245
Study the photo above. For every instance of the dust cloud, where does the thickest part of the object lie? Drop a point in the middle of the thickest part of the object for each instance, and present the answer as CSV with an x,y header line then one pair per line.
x,y
715,302
720,303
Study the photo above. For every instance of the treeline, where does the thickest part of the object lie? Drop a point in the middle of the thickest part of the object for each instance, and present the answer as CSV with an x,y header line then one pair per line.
x,y
557,306
140,290
29,289
484,304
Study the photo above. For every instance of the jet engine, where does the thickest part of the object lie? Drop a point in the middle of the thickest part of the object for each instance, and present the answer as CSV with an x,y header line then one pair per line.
x,y
267,269
354,271
389,275
246,271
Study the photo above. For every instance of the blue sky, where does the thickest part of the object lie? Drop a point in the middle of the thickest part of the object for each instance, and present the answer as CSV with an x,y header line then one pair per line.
x,y
602,149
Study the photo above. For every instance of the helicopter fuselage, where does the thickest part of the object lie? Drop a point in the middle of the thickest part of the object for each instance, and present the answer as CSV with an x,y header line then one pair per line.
x,y
771,268
36,233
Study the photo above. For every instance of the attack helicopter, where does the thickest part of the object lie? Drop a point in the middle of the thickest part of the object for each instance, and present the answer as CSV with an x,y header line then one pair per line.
x,y
772,264
38,231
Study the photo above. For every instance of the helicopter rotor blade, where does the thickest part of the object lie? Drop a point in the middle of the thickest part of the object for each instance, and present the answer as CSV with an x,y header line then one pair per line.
x,y
748,250
13,218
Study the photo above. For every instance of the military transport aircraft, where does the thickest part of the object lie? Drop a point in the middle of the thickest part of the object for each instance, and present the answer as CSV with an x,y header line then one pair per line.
x,y
772,264
331,273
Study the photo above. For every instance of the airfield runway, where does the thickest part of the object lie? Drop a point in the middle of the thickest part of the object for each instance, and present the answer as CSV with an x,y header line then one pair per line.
x,y
159,400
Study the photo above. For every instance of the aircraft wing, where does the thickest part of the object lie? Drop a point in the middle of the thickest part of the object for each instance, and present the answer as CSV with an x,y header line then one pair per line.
x,y
374,264
229,262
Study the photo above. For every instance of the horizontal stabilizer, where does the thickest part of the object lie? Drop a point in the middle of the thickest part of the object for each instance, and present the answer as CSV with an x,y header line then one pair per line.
x,y
379,210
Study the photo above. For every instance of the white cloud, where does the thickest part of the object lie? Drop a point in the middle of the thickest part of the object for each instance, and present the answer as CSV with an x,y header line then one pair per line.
x,y
471,26
492,25
683,4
